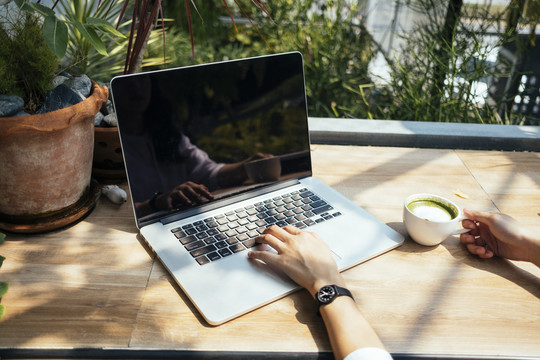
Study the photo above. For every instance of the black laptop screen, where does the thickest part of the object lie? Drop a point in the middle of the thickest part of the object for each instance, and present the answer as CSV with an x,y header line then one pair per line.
x,y
195,135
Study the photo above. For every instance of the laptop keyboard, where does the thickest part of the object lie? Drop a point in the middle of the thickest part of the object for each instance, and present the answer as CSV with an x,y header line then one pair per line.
x,y
217,237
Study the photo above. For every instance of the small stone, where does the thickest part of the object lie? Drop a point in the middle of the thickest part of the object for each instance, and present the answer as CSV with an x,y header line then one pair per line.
x,y
58,98
107,108
111,120
82,85
59,80
10,105
98,119
66,74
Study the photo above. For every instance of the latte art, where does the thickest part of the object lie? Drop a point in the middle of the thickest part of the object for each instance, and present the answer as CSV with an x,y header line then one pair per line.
x,y
432,213
432,210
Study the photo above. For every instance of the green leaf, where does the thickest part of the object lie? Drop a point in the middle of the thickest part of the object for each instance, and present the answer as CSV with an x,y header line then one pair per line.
x,y
104,26
2,238
89,34
2,310
3,288
43,10
56,35
24,5
2,260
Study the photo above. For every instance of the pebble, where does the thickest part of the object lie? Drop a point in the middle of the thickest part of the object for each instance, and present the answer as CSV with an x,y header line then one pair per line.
x,y
59,98
114,193
111,120
10,105
82,85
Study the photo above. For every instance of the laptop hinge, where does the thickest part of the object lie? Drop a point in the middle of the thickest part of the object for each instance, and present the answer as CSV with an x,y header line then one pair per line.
x,y
224,202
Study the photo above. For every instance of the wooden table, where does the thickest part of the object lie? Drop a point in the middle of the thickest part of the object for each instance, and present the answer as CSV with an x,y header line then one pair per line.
x,y
96,289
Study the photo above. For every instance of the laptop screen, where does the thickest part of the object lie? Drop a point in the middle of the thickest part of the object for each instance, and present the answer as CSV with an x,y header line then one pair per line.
x,y
192,136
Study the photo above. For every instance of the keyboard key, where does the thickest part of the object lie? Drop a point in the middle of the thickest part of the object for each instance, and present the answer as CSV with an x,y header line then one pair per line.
x,y
202,260
187,239
210,240
221,244
242,237
252,234
220,237
214,256
180,234
322,209
195,245
225,252
233,240
231,233
317,204
237,248
249,243
203,251
212,224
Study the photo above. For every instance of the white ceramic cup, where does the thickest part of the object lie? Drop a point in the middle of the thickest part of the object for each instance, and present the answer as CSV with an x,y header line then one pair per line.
x,y
430,219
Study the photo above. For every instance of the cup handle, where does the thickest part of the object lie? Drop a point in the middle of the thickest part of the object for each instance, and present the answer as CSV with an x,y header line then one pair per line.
x,y
460,218
460,231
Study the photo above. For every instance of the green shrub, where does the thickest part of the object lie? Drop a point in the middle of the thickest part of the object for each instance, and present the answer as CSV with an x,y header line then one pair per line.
x,y
27,65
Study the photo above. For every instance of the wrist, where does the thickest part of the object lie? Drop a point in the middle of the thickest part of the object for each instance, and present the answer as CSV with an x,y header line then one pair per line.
x,y
320,283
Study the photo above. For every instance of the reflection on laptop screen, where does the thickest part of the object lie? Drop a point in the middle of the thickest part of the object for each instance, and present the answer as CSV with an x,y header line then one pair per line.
x,y
194,135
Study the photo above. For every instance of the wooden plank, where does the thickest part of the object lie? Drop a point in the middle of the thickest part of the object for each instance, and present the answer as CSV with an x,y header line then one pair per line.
x,y
78,287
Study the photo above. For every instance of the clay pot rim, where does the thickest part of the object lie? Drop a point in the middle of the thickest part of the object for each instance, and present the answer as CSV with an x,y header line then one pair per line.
x,y
53,121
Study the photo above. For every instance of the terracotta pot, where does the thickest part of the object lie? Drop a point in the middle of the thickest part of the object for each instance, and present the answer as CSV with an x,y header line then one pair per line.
x,y
108,159
46,161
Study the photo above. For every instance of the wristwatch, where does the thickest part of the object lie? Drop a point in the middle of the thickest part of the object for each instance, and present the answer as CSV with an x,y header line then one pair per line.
x,y
328,293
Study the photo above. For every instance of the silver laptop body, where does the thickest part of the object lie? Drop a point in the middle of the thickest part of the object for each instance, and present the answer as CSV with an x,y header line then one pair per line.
x,y
197,127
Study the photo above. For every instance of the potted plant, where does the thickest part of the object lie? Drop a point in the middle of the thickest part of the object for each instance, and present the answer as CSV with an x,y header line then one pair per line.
x,y
46,154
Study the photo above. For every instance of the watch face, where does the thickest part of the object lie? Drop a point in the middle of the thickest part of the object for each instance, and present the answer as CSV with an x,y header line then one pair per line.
x,y
326,294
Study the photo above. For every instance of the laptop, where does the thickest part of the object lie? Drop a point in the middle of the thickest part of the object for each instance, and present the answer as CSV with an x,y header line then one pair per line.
x,y
216,153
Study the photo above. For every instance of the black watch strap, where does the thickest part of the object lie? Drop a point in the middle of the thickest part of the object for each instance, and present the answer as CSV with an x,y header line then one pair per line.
x,y
329,293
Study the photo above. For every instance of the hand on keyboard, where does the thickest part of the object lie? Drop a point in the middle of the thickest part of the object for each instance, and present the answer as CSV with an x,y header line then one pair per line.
x,y
302,255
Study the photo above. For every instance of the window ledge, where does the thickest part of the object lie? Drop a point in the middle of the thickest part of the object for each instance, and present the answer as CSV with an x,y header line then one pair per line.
x,y
424,134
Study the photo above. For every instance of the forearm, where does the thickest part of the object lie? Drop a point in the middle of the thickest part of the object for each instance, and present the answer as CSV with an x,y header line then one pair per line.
x,y
533,248
347,328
